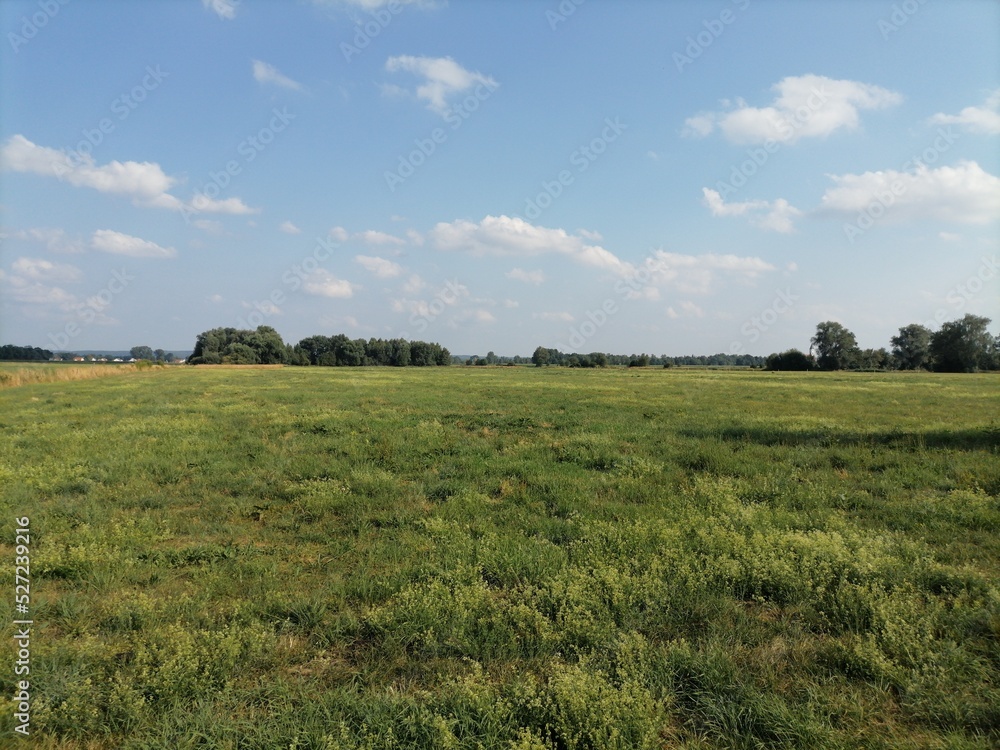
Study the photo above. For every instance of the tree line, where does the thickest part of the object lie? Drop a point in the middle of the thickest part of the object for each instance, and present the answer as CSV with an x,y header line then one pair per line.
x,y
264,346
963,345
543,356
10,352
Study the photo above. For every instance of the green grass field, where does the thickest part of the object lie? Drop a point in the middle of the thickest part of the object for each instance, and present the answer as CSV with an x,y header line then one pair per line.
x,y
506,558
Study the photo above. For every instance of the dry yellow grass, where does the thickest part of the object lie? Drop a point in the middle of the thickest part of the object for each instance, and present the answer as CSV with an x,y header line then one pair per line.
x,y
57,373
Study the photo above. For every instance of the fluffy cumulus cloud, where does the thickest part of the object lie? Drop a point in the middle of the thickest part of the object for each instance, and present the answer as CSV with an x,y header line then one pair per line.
x,y
442,79
38,269
34,284
324,284
268,74
141,180
110,241
698,274
512,236
963,193
984,119
144,182
381,267
373,237
808,106
776,216
289,228
55,240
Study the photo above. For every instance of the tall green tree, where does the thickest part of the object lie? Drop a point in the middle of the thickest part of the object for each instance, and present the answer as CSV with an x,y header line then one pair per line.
x,y
963,345
911,347
141,352
836,347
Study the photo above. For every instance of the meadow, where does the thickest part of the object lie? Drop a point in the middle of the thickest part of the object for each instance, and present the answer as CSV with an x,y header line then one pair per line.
x,y
518,558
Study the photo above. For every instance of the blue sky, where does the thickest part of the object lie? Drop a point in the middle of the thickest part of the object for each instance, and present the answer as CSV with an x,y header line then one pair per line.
x,y
684,177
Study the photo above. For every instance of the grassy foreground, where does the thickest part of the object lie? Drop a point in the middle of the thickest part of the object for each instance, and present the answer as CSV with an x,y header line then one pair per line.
x,y
506,558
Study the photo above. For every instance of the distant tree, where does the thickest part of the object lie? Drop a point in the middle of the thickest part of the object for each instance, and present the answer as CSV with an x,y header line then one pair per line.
x,y
141,352
792,360
159,355
240,354
540,357
23,353
216,345
963,345
836,347
911,347
872,359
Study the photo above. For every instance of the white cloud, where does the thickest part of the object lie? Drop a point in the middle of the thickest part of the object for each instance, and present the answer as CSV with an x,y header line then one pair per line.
x,y
373,237
964,193
339,234
144,182
266,73
203,204
949,236
141,180
775,215
698,274
443,78
477,315
288,228
382,268
414,284
109,241
223,8
55,240
324,284
20,289
38,269
216,298
511,236
808,106
984,119
554,317
528,277
511,303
